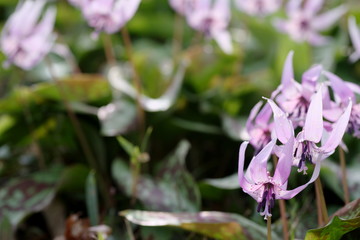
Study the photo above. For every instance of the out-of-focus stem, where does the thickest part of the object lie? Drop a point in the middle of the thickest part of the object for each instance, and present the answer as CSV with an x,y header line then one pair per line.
x,y
129,230
268,220
79,133
109,49
282,209
136,78
344,175
178,36
320,195
318,207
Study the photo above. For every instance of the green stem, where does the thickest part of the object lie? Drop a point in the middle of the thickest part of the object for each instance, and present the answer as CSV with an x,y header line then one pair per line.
x,y
322,202
109,50
344,176
268,228
136,78
79,133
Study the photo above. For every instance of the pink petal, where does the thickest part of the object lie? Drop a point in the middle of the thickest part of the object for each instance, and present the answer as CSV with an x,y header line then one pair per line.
x,y
283,167
288,72
254,111
223,39
264,116
288,194
309,81
293,6
242,180
354,33
258,165
313,6
314,125
340,88
326,20
283,127
338,131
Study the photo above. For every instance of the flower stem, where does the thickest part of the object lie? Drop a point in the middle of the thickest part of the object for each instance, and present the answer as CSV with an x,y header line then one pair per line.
x,y
268,228
136,78
109,50
79,132
282,209
178,36
344,176
320,195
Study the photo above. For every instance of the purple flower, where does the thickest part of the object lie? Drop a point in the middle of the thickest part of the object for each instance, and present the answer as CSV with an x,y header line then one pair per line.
x,y
292,97
258,126
108,15
306,148
344,92
304,25
76,3
258,7
355,39
212,20
264,188
183,7
24,40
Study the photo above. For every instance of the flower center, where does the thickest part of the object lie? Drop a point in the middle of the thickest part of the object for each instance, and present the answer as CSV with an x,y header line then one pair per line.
x,y
304,152
300,110
268,201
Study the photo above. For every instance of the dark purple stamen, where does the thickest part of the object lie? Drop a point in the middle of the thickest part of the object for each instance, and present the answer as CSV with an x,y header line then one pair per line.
x,y
268,199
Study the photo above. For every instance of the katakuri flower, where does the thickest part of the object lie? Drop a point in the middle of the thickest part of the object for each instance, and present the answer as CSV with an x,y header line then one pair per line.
x,y
344,92
292,97
258,183
108,15
355,39
303,23
258,7
25,40
306,149
212,19
259,127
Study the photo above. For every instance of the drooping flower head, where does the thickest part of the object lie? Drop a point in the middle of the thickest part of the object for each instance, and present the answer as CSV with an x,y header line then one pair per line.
x,y
258,7
25,40
355,39
260,185
292,97
107,15
344,92
212,19
306,143
303,23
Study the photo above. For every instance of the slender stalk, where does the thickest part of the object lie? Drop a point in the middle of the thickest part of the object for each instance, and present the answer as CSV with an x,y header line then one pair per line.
x,y
318,207
320,193
129,230
79,133
268,220
282,209
178,36
109,50
344,175
136,78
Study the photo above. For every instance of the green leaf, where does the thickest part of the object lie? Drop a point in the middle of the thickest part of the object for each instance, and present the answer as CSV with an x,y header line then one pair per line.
x,y
6,230
218,225
229,182
174,189
345,220
92,199
127,146
22,196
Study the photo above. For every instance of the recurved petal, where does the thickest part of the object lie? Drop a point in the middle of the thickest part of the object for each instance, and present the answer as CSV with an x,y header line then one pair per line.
x,y
288,194
309,81
288,72
254,111
326,20
283,127
354,33
314,124
223,39
283,167
313,6
242,150
340,88
258,165
338,131
293,6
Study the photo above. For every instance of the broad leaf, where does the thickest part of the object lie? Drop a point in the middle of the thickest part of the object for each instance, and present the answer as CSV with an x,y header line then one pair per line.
x,y
22,196
345,220
229,182
218,225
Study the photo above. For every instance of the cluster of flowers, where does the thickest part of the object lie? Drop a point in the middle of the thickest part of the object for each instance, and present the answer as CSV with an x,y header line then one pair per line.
x,y
320,120
25,40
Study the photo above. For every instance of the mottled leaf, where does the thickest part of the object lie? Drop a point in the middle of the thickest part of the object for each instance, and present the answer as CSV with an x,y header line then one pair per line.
x,y
174,189
218,225
344,220
22,196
